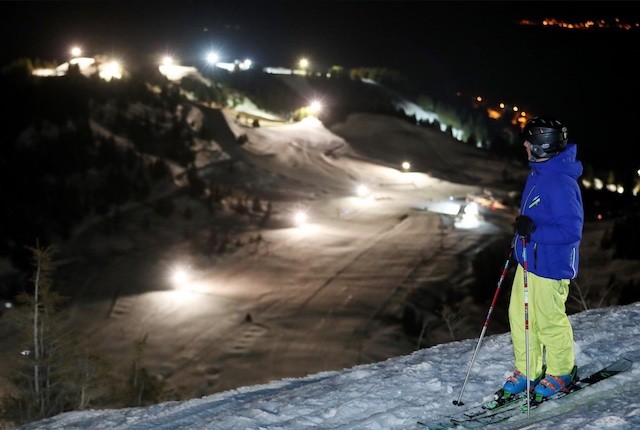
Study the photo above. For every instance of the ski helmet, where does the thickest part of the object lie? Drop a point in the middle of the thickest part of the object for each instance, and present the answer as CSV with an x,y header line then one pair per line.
x,y
547,136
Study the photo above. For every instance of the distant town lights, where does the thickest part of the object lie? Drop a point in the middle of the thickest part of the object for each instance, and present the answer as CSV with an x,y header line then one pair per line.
x,y
598,184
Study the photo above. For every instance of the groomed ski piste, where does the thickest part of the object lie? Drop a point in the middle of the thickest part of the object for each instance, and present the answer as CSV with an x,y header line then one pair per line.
x,y
396,393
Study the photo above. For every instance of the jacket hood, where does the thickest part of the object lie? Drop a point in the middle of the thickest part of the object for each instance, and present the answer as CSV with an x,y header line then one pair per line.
x,y
565,162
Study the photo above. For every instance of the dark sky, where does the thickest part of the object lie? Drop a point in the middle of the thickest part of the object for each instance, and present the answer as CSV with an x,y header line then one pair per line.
x,y
588,79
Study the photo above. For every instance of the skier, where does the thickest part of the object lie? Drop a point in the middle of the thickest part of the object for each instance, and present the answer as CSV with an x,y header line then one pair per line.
x,y
551,221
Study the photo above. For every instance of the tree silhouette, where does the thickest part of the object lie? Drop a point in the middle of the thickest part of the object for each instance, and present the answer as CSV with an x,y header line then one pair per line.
x,y
52,374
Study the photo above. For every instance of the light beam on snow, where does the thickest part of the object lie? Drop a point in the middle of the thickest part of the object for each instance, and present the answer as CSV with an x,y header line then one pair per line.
x,y
470,217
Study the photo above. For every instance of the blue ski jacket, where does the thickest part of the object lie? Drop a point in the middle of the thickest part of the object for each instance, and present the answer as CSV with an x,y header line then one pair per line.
x,y
552,199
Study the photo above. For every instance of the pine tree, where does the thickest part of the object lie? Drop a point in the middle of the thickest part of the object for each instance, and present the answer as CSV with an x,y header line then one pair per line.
x,y
54,372
39,375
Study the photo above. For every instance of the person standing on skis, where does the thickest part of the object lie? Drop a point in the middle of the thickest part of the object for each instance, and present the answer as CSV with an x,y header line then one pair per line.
x,y
551,221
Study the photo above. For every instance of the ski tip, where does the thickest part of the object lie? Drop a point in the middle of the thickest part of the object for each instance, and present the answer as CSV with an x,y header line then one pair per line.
x,y
458,403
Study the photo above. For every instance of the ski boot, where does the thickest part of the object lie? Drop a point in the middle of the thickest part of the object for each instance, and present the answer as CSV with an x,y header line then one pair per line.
x,y
512,388
551,385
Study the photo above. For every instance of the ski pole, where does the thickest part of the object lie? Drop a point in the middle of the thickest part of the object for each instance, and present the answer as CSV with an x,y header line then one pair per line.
x,y
486,322
526,320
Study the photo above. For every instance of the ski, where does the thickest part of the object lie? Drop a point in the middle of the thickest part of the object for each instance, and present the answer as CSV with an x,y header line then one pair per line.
x,y
474,412
480,416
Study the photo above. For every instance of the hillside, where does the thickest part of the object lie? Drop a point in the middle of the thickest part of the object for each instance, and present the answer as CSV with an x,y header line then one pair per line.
x,y
393,394
269,299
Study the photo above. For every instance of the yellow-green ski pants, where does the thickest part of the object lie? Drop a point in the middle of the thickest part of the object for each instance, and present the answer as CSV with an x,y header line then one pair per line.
x,y
550,331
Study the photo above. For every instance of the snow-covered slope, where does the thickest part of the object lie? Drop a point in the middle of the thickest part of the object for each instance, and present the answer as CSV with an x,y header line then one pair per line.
x,y
326,298
393,394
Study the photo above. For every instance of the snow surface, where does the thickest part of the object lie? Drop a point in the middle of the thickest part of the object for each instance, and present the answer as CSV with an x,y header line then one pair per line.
x,y
393,394
317,294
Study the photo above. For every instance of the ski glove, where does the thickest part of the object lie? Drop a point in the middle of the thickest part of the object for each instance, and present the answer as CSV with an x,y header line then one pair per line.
x,y
525,226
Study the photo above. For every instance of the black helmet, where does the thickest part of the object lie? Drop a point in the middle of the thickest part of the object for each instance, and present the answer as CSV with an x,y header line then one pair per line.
x,y
547,136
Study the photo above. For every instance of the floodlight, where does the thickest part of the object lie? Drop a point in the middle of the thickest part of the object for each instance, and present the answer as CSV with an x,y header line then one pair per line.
x,y
300,218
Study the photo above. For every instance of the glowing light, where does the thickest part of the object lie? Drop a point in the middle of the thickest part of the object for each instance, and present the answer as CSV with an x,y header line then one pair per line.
x,y
469,218
363,190
212,58
471,209
180,276
315,107
44,72
447,208
598,183
167,61
406,165
76,51
111,70
83,63
230,67
176,72
300,218
467,222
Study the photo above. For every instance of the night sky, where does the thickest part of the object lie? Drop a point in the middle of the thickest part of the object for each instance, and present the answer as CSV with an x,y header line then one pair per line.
x,y
588,79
